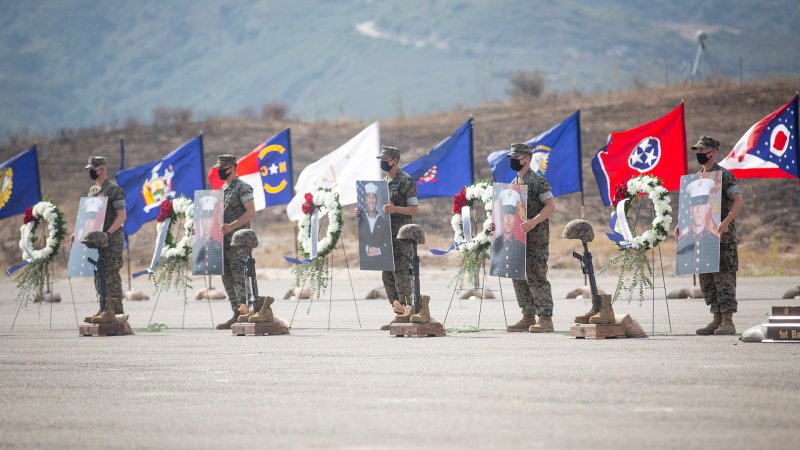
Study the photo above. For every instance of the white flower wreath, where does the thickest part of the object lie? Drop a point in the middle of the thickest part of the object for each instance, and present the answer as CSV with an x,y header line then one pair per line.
x,y
55,226
482,192
326,202
657,232
183,209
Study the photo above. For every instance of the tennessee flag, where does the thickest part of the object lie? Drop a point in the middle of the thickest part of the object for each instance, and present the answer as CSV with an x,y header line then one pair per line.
x,y
268,169
657,148
769,148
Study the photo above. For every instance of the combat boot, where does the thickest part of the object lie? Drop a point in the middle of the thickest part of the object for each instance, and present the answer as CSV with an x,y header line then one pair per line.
x,y
545,325
398,308
245,313
424,315
606,314
726,327
264,313
405,316
88,319
711,327
584,319
109,315
526,322
231,321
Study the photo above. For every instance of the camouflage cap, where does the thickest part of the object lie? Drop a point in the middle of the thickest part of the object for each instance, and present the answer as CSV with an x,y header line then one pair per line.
x,y
706,142
95,162
244,239
412,232
518,150
225,161
95,239
388,153
579,229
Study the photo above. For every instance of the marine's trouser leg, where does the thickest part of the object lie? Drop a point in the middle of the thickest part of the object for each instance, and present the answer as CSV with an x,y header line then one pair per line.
x,y
233,276
112,264
534,294
719,291
398,283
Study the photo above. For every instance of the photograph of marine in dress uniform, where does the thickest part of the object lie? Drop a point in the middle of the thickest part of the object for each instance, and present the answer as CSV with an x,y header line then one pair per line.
x,y
507,254
374,227
91,215
207,244
698,221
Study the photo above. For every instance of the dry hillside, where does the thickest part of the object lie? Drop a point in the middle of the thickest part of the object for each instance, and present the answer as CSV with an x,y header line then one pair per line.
x,y
724,111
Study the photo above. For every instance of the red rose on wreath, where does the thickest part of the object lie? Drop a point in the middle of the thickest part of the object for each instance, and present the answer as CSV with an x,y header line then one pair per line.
x,y
620,194
460,201
308,206
28,216
165,211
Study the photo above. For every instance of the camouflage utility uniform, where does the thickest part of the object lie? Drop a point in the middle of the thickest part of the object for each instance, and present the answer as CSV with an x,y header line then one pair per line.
x,y
111,255
402,192
719,288
534,295
236,194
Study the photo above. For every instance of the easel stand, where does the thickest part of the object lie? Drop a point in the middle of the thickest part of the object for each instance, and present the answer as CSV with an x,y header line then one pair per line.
x,y
330,289
480,305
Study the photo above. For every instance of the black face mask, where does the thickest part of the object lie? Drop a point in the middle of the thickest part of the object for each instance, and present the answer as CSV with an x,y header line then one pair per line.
x,y
223,173
702,158
93,174
385,166
516,166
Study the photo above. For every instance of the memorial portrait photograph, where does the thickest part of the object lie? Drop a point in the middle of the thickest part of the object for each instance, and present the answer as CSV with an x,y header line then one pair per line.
x,y
374,226
698,223
91,215
207,243
507,253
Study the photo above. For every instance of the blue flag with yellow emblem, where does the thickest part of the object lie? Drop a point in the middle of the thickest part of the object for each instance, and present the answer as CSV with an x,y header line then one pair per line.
x,y
19,183
447,168
267,169
556,156
147,186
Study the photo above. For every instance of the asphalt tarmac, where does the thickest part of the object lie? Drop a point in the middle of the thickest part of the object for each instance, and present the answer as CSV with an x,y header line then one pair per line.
x,y
333,383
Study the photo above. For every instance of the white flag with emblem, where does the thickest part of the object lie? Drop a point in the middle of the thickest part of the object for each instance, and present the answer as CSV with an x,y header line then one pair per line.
x,y
339,170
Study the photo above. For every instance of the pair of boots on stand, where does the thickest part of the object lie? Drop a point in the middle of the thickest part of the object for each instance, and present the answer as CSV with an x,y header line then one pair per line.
x,y
108,315
528,323
720,325
262,312
602,313
403,313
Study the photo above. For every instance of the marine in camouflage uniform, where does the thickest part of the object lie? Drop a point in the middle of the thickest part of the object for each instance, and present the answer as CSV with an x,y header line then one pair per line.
x,y
238,199
111,255
719,288
402,192
534,294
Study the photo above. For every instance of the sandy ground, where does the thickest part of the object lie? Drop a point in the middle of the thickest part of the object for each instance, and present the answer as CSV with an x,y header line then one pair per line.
x,y
352,386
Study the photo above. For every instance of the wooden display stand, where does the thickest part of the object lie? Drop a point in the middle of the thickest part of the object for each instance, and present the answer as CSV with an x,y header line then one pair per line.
x,y
784,324
102,329
594,331
434,329
258,329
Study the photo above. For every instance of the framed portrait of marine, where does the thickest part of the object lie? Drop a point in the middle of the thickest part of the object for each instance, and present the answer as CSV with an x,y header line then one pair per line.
x,y
207,243
699,207
374,226
507,251
91,215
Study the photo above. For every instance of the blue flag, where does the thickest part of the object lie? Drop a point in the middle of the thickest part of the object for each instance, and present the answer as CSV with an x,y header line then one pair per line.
x,y
19,183
556,156
147,186
446,169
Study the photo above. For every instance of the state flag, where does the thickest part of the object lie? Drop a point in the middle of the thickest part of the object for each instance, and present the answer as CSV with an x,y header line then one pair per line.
x,y
447,168
268,169
657,148
19,183
769,148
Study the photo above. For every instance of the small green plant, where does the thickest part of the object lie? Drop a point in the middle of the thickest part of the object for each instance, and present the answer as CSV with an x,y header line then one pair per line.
x,y
463,329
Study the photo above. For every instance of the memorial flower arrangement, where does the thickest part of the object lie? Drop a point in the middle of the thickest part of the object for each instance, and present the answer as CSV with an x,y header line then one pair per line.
x,y
42,231
316,271
473,253
174,262
633,249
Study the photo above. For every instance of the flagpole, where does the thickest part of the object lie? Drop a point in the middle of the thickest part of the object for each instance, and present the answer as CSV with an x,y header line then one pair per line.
x,y
471,148
580,165
125,235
